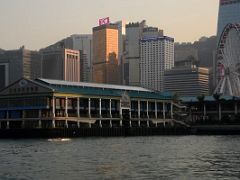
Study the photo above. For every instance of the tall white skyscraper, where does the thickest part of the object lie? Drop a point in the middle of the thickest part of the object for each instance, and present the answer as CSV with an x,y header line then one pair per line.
x,y
157,55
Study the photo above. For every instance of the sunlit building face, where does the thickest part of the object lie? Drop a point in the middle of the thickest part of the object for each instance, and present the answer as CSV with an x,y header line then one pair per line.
x,y
105,54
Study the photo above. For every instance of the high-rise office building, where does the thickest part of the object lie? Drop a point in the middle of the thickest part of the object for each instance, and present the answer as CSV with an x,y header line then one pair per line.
x,y
131,72
228,13
82,42
15,64
187,81
157,55
151,32
105,54
4,75
121,46
121,34
84,74
202,51
61,64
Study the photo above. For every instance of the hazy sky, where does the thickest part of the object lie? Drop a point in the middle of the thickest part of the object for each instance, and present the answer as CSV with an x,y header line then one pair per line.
x,y
38,23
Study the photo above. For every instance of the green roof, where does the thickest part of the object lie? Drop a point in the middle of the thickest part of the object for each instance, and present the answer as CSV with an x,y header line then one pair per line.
x,y
86,91
109,92
98,91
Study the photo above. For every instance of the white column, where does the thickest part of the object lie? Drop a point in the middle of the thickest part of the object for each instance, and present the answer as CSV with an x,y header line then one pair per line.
x,y
78,124
40,120
139,123
78,108
156,110
23,114
130,123
147,123
236,108
139,110
110,108
156,124
130,112
100,107
39,113
147,111
90,125
53,107
66,123
164,116
89,107
121,122
23,120
120,109
8,125
39,123
66,106
110,123
100,123
171,110
53,123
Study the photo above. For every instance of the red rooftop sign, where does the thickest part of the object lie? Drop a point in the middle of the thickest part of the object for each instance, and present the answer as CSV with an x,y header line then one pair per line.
x,y
104,21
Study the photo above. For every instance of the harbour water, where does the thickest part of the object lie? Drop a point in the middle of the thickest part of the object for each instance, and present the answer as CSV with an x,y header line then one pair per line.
x,y
160,157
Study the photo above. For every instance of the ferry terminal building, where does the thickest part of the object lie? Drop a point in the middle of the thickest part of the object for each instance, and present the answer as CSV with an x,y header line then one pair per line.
x,y
45,103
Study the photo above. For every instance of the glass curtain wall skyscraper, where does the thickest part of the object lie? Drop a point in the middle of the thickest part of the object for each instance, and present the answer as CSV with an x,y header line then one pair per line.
x,y
229,12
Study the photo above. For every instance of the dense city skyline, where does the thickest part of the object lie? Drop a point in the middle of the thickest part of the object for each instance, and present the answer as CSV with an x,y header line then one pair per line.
x,y
37,24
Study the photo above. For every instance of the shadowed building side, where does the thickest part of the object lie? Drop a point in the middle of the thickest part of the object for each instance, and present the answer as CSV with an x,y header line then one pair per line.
x,y
82,43
131,65
15,64
61,64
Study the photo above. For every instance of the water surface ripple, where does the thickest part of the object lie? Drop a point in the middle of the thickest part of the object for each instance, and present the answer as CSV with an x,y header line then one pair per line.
x,y
163,157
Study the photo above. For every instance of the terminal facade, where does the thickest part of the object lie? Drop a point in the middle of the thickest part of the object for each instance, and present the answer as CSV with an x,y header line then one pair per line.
x,y
44,103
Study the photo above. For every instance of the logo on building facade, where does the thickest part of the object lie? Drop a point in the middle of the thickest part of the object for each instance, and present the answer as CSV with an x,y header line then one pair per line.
x,y
104,21
23,83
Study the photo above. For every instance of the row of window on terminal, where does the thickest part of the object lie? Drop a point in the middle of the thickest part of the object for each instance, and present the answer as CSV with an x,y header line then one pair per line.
x,y
23,90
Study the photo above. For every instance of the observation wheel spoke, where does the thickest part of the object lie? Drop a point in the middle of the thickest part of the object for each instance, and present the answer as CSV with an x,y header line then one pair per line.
x,y
229,56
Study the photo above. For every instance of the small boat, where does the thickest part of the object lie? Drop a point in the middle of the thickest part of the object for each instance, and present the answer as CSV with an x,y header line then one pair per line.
x,y
59,139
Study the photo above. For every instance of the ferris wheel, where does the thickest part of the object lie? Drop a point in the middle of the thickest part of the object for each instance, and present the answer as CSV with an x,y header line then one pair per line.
x,y
228,61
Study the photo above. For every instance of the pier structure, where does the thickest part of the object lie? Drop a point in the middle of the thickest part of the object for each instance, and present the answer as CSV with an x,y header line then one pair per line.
x,y
215,110
48,104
